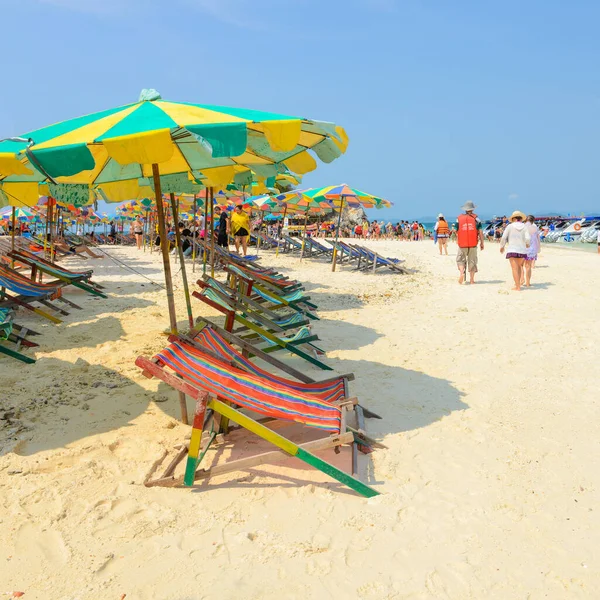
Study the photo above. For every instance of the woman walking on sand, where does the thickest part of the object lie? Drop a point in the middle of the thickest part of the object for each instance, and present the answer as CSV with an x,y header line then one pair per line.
x,y
533,250
516,240
442,232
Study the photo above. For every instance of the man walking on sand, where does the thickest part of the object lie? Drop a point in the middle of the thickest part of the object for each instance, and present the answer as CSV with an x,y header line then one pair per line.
x,y
470,233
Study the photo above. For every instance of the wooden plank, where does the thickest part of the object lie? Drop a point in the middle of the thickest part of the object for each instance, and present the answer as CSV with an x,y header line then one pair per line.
x,y
335,473
170,379
242,464
26,305
195,440
250,424
176,460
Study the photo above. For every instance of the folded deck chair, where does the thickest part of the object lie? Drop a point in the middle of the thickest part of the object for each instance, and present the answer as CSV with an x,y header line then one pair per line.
x,y
275,280
24,292
12,333
291,244
266,335
79,279
375,261
316,248
256,286
280,314
221,389
269,242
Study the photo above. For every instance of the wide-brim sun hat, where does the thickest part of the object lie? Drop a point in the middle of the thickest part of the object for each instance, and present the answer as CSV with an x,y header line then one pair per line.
x,y
440,216
469,206
517,213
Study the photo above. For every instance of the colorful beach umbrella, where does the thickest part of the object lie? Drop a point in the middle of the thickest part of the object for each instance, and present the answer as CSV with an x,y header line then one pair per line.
x,y
132,146
23,214
341,196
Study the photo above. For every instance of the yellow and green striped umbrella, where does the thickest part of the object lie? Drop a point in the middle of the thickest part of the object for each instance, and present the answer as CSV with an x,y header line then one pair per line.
x,y
210,143
121,150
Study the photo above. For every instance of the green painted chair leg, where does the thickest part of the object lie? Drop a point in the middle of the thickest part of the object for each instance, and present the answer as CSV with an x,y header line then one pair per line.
x,y
17,355
292,449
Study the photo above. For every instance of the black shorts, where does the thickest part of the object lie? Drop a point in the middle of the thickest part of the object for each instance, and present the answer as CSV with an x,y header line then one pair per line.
x,y
242,232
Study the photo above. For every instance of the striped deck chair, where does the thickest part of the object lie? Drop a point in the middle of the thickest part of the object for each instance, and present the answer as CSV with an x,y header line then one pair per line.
x,y
256,287
79,279
291,245
12,333
221,389
280,314
269,242
24,292
275,281
375,261
256,329
347,252
229,342
316,248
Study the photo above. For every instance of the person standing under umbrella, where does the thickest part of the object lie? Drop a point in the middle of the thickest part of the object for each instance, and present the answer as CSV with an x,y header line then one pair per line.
x,y
470,232
240,228
223,236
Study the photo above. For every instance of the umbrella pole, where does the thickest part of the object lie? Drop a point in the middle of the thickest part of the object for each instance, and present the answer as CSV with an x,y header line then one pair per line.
x,y
337,233
12,237
194,235
304,234
164,247
212,232
145,230
204,257
282,225
186,289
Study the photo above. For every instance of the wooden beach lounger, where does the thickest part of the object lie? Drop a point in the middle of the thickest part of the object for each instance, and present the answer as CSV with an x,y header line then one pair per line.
x,y
375,261
220,389
313,248
79,279
12,333
258,330
24,292
279,314
229,342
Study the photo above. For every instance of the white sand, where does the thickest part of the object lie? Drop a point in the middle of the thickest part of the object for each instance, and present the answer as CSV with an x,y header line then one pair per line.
x,y
490,485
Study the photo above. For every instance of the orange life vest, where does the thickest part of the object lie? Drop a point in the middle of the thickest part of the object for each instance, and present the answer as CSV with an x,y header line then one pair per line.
x,y
467,231
443,228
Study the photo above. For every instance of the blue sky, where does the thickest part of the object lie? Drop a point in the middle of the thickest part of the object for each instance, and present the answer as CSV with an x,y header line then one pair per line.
x,y
495,102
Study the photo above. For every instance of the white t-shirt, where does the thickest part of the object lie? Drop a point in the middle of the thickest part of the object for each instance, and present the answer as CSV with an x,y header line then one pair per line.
x,y
516,238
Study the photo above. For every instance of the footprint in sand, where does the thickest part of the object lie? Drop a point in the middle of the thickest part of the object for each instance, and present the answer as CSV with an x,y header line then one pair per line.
x,y
39,547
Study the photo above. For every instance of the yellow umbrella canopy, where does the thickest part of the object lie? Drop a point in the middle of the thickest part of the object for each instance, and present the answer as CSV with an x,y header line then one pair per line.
x,y
212,143
128,147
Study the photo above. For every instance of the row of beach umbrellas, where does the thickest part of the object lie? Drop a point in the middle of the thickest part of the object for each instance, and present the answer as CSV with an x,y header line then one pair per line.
x,y
153,147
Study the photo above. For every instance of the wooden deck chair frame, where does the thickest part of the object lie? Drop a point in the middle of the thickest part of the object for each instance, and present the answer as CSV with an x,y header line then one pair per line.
x,y
375,261
243,303
198,446
25,301
246,282
78,280
257,333
18,337
248,286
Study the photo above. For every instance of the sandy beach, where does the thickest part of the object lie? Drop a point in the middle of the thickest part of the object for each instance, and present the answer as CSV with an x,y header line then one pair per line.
x,y
490,486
